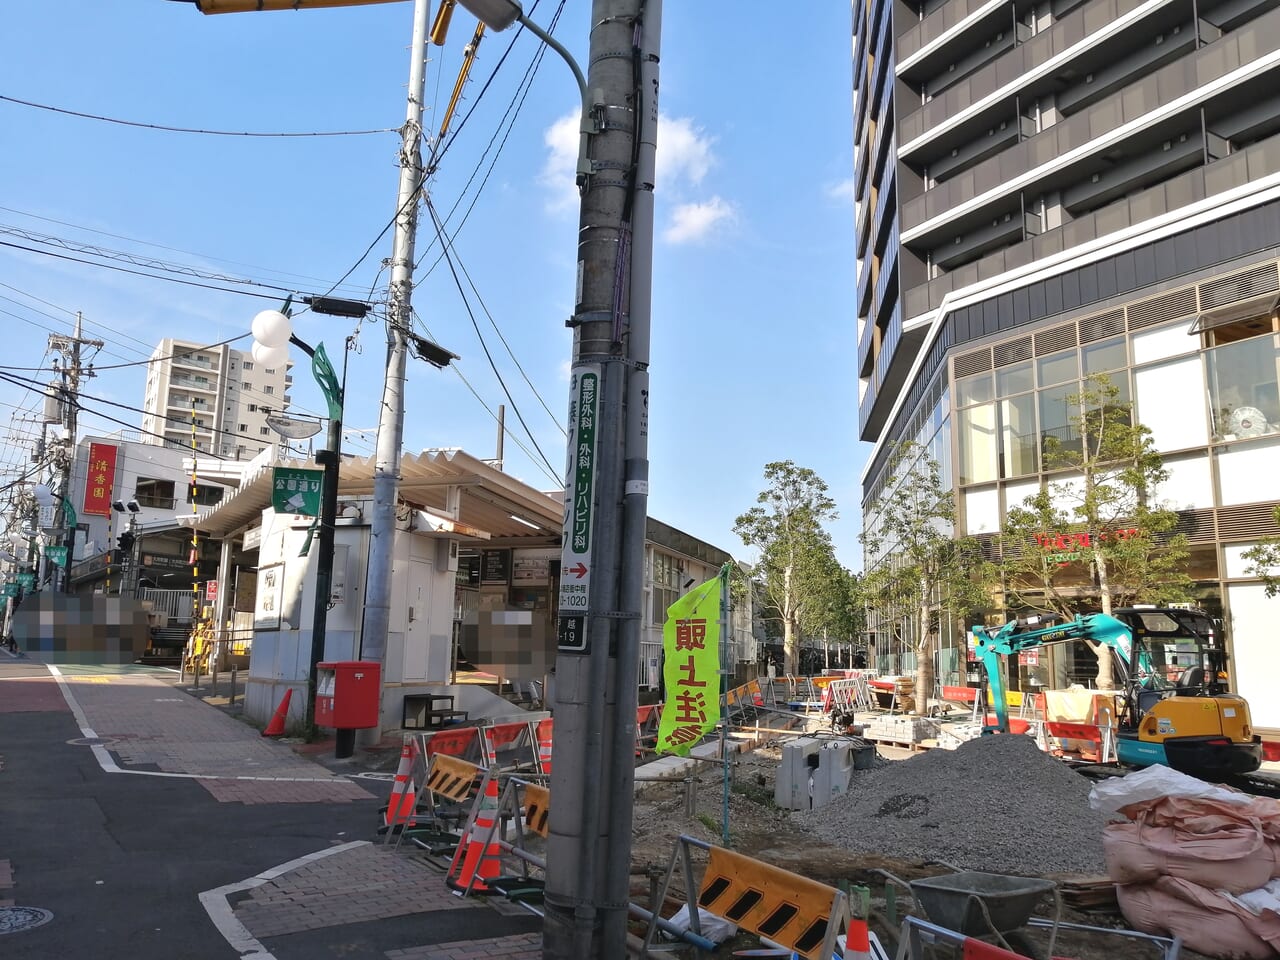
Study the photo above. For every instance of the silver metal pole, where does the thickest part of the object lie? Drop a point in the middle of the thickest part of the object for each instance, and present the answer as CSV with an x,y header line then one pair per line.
x,y
386,475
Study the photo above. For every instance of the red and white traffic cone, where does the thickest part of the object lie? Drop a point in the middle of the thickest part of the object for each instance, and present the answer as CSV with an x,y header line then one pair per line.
x,y
479,854
403,800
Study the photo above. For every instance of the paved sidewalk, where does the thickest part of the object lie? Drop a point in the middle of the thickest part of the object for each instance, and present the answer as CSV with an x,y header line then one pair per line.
x,y
356,900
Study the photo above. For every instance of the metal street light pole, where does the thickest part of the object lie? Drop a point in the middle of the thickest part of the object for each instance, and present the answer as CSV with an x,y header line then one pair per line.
x,y
272,330
606,482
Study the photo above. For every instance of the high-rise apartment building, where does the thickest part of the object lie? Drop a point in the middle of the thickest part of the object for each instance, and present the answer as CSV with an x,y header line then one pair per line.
x,y
1053,190
215,395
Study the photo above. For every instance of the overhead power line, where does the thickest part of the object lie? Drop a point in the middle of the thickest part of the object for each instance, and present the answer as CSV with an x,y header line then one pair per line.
x,y
210,133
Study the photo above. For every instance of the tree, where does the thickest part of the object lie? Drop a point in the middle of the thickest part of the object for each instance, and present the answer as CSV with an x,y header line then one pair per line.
x,y
919,571
786,527
1100,529
1264,561
837,613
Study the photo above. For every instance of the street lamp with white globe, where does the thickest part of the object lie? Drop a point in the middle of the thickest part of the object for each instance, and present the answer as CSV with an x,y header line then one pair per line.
x,y
272,334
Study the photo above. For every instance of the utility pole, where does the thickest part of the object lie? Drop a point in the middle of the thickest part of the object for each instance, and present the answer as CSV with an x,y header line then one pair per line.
x,y
69,347
606,496
386,470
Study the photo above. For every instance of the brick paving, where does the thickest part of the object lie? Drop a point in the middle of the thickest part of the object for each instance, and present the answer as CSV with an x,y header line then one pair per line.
x,y
525,946
30,695
364,883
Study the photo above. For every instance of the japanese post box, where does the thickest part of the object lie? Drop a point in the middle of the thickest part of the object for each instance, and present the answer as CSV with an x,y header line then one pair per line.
x,y
348,694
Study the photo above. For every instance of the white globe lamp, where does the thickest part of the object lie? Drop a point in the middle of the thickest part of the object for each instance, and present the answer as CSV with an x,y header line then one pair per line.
x,y
271,328
269,356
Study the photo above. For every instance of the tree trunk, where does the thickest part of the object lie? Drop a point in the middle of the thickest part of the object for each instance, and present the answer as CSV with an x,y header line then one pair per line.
x,y
924,664
790,638
1105,679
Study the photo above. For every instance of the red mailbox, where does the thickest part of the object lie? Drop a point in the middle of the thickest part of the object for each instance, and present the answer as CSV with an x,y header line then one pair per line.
x,y
348,694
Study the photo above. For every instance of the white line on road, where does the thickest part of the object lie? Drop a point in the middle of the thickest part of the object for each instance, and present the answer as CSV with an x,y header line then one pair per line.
x,y
223,917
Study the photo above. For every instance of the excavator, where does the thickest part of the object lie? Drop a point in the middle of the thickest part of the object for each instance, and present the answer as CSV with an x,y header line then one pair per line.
x,y
1174,708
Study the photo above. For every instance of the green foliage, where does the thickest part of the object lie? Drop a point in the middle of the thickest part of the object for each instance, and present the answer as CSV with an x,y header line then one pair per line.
x,y
1264,561
797,562
919,570
1111,479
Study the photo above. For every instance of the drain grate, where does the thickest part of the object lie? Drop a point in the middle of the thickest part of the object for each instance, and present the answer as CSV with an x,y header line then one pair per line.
x,y
17,919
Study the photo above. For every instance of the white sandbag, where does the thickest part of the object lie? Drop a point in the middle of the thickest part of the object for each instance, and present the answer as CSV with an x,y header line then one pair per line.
x,y
1111,795
716,929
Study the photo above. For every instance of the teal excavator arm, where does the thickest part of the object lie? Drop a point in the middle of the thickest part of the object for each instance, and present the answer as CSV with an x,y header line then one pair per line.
x,y
1018,635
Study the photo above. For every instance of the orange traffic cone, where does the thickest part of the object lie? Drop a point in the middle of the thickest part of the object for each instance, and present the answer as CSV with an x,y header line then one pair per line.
x,y
276,727
479,853
404,799
857,941
544,746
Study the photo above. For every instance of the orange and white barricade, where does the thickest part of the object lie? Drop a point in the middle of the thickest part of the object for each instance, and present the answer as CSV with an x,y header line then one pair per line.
x,y
544,734
510,746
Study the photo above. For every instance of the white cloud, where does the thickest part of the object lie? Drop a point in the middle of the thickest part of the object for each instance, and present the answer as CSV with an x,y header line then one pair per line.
x,y
684,151
559,170
684,158
691,222
844,190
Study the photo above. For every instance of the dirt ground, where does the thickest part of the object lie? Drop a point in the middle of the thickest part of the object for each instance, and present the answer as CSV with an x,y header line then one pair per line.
x,y
758,828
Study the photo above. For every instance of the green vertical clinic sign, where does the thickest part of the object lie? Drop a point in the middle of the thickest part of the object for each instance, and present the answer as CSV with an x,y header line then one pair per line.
x,y
10,590
56,555
26,580
579,507
296,491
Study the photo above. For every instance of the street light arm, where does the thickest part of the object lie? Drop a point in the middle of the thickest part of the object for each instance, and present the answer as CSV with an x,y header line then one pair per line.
x,y
587,125
302,345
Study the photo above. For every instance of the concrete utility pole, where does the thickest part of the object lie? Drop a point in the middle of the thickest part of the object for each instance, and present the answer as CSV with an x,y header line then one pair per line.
x,y
606,496
69,347
386,475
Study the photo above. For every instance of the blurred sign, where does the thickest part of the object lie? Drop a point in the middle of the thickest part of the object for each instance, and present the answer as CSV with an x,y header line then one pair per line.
x,y
57,554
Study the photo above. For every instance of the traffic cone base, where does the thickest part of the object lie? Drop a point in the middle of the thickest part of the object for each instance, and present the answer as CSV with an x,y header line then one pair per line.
x,y
276,727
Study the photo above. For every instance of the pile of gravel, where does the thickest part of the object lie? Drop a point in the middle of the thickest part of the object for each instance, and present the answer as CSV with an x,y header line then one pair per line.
x,y
997,804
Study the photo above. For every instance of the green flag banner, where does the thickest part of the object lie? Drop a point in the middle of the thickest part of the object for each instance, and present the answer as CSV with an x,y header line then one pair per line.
x,y
10,590
691,645
26,580
296,491
56,555
322,370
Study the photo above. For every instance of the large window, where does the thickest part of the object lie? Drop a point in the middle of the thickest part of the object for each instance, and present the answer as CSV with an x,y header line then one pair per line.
x,y
665,584
977,427
1018,436
1243,393
1170,403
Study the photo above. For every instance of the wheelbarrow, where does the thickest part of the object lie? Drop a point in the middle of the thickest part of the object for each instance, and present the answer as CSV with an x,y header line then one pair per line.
x,y
984,904
980,904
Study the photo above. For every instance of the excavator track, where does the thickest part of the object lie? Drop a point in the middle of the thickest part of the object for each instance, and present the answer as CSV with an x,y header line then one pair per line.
x,y
1257,784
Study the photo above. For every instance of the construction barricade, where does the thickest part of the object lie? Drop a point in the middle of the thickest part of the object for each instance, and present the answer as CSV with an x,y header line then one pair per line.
x,y
543,733
797,913
444,795
647,720
521,809
464,743
510,746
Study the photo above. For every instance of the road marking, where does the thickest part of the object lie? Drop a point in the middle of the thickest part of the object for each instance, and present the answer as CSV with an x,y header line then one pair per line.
x,y
109,765
223,917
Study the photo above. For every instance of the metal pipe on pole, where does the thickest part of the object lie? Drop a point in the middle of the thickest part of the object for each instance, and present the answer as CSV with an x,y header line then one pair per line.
x,y
386,476
606,494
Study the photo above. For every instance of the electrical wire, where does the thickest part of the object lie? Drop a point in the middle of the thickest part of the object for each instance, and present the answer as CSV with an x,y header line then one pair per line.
x,y
211,133
311,281
448,245
139,273
488,356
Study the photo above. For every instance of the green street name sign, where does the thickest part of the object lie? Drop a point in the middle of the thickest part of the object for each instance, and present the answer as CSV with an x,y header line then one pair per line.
x,y
296,491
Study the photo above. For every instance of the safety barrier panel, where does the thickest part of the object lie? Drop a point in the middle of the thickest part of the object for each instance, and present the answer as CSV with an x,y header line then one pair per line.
x,y
509,746
465,743
647,719
447,784
800,914
1100,735
850,696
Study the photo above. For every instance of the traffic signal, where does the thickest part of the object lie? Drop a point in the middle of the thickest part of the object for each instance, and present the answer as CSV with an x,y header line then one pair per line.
x,y
126,541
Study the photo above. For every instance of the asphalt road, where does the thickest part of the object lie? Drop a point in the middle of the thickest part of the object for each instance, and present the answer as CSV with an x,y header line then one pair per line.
x,y
119,859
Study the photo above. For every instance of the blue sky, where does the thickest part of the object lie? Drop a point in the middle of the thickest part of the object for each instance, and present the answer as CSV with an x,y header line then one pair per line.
x,y
754,336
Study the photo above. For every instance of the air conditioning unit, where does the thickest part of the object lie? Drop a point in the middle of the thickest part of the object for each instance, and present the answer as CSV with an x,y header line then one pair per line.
x,y
447,555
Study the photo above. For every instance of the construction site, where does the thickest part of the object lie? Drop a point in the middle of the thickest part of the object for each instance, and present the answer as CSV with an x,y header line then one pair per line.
x,y
829,819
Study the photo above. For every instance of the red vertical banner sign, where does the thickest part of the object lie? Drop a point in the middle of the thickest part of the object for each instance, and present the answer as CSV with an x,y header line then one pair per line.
x,y
100,484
